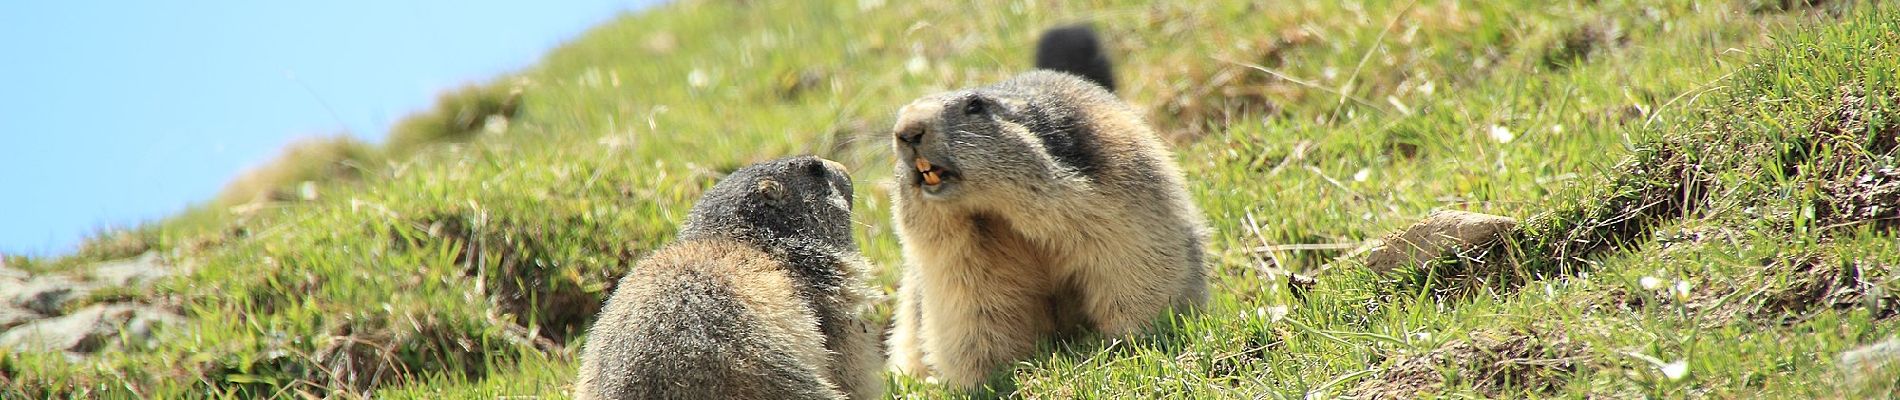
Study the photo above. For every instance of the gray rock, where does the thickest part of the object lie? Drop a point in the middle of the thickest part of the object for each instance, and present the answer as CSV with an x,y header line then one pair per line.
x,y
1864,360
45,294
11,279
1441,234
132,271
88,330
11,316
9,273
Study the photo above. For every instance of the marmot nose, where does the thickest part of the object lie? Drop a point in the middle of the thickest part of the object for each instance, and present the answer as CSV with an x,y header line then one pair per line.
x,y
911,134
914,120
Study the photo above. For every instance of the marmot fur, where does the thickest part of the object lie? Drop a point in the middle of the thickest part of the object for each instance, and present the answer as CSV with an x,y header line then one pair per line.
x,y
1031,207
761,297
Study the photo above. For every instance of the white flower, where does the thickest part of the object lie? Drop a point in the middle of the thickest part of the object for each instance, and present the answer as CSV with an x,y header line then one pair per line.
x,y
1650,283
1558,128
1681,290
1675,370
917,65
1362,175
1501,134
1272,313
698,78
495,124
308,189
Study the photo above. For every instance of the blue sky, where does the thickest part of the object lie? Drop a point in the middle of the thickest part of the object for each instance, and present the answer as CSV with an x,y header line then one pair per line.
x,y
112,113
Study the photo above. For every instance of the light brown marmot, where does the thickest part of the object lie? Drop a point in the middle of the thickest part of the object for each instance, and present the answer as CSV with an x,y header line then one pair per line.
x,y
1031,207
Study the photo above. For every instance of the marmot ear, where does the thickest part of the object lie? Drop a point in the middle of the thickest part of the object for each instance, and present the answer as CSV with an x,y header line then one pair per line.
x,y
771,189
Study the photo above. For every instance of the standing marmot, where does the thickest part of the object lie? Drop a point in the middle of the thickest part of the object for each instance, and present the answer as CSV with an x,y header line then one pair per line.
x,y
1030,207
761,297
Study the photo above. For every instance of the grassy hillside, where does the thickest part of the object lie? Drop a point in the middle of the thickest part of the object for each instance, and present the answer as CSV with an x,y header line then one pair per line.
x,y
1710,196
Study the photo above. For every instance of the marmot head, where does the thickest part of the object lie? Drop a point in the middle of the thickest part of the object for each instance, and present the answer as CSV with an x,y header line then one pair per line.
x,y
1032,133
788,201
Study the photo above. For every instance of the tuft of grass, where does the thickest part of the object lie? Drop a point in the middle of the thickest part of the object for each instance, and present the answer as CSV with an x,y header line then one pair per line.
x,y
459,116
309,162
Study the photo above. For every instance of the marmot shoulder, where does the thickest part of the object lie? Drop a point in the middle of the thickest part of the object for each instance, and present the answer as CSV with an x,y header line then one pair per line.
x,y
1030,207
762,296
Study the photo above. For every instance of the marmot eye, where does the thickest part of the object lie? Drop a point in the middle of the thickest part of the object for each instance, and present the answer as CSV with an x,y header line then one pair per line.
x,y
974,106
815,168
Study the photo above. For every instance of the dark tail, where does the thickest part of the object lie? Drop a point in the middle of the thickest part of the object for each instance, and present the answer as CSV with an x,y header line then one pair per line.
x,y
1076,50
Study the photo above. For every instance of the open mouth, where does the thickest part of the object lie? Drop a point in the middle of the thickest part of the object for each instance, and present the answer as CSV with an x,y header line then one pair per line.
x,y
931,175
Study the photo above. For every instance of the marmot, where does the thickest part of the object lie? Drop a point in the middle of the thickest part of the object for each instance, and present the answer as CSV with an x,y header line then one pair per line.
x,y
1031,207
762,297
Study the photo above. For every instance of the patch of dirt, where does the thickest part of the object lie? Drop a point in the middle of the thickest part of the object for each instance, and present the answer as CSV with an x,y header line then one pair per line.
x,y
1855,164
1871,198
1782,290
1583,41
375,352
1496,364
1794,288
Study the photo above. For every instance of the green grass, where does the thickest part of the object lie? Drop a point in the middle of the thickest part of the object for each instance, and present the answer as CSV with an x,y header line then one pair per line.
x,y
1730,146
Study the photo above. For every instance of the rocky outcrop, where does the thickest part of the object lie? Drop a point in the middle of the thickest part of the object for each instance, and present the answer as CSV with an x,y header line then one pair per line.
x,y
90,329
34,308
11,316
129,272
45,294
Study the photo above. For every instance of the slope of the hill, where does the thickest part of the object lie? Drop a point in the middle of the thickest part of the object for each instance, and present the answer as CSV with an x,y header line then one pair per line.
x,y
1708,189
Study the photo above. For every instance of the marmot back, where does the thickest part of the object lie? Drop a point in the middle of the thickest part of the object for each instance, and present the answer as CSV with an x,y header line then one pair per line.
x,y
1032,207
762,296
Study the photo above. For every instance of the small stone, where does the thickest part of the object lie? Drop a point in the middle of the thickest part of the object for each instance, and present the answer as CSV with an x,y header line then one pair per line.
x,y
1439,235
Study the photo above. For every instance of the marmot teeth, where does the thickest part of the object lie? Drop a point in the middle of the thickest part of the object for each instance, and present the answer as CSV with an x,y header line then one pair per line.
x,y
929,172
